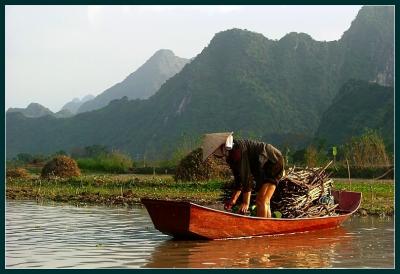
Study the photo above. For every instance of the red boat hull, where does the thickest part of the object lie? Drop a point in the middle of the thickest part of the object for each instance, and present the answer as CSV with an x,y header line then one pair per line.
x,y
191,221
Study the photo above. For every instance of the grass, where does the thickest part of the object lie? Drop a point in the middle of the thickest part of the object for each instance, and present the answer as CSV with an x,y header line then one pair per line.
x,y
127,189
377,195
114,162
114,189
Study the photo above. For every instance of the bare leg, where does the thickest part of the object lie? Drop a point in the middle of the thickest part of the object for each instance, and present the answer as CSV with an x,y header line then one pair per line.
x,y
229,204
245,203
235,196
263,200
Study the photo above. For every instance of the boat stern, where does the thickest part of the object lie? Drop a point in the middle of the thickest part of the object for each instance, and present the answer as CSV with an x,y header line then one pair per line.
x,y
170,217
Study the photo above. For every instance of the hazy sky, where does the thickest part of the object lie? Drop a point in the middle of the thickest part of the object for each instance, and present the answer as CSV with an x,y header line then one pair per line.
x,y
56,53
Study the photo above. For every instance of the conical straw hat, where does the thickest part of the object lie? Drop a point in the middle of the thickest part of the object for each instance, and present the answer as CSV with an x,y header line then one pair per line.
x,y
212,141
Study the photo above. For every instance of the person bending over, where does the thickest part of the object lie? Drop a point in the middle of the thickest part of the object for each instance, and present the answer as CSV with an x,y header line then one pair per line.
x,y
248,161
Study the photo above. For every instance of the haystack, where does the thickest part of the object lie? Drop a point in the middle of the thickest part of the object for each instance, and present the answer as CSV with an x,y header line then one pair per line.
x,y
192,168
13,173
61,166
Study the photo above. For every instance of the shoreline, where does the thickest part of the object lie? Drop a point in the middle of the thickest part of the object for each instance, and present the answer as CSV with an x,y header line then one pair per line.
x,y
126,191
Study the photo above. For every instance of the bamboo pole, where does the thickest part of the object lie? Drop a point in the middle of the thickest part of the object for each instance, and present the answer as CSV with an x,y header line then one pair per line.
x,y
348,172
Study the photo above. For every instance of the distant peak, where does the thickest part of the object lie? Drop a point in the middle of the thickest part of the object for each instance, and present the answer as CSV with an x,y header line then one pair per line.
x,y
164,52
297,35
374,15
35,105
383,16
373,12
87,98
237,32
380,18
235,37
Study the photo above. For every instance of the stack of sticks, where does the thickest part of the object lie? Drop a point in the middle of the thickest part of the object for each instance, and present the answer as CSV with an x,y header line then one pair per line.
x,y
304,193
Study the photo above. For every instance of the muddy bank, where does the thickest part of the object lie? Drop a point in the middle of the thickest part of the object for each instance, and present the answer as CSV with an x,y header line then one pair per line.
x,y
126,191
129,199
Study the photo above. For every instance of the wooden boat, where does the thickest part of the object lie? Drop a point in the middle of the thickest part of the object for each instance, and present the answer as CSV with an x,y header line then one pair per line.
x,y
186,220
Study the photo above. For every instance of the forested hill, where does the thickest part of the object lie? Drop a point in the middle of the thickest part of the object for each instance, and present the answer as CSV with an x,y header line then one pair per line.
x,y
242,81
358,106
35,110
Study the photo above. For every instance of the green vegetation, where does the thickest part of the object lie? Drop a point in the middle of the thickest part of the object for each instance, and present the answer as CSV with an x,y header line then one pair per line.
x,y
32,110
113,189
359,105
365,156
341,171
314,157
114,162
295,93
242,81
125,190
378,196
367,150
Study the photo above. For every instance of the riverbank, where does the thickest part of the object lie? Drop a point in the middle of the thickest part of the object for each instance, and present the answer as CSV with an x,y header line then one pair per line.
x,y
127,190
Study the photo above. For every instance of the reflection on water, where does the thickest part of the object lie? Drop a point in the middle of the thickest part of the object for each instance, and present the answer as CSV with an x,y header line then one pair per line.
x,y
96,237
314,249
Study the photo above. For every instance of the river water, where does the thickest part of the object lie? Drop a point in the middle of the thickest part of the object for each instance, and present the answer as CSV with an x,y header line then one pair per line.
x,y
64,236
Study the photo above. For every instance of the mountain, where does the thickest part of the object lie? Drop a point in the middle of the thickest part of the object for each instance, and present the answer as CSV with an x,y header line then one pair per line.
x,y
64,113
142,83
276,91
33,110
74,105
368,46
357,106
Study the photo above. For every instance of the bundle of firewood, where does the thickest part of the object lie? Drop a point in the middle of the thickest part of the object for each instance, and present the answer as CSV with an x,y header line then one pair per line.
x,y
304,193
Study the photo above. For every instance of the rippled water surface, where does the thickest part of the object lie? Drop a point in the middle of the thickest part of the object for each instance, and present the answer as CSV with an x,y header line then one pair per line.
x,y
64,236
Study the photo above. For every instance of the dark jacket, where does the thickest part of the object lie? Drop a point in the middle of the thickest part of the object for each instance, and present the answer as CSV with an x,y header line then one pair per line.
x,y
248,160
